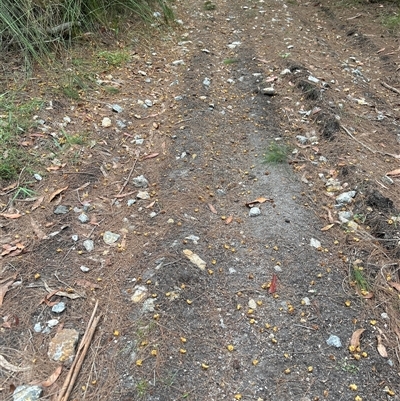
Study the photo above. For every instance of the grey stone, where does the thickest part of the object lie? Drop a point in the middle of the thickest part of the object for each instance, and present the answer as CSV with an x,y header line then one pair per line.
x,y
315,243
206,82
83,218
74,237
345,197
286,71
37,327
193,238
131,202
152,214
148,103
27,393
313,79
268,91
88,245
52,323
178,62
302,139
62,346
345,216
84,269
306,301
254,211
61,209
179,97
140,182
110,238
334,341
143,195
58,308
117,108
277,268
148,305
120,124
37,177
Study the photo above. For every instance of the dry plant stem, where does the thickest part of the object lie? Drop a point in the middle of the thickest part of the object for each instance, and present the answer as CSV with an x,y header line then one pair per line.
x,y
390,87
365,146
80,356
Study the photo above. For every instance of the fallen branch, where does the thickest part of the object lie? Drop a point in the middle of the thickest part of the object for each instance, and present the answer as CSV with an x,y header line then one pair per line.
x,y
367,147
390,87
80,356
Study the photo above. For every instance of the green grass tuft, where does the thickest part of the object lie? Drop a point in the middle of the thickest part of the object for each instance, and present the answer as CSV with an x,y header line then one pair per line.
x,y
229,61
277,153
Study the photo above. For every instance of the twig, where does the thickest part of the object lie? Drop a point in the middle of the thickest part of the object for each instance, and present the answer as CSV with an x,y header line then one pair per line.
x,y
390,87
80,356
366,147
129,176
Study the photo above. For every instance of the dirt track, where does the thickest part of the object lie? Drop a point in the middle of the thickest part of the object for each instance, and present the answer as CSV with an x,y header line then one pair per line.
x,y
222,333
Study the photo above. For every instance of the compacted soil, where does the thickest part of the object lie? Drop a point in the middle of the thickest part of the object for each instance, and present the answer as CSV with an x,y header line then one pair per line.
x,y
198,298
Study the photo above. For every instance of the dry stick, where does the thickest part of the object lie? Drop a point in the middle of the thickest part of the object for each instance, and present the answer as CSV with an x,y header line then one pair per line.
x,y
78,356
366,147
390,87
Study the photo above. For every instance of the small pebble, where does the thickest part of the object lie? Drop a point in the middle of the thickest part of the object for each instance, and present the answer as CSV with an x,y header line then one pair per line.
x,y
106,122
84,269
58,308
61,209
88,245
83,218
52,323
37,328
254,211
117,108
334,341
37,177
74,237
131,202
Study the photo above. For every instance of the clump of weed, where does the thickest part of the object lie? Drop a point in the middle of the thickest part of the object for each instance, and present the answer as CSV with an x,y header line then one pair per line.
x,y
392,22
277,153
209,5
115,58
228,61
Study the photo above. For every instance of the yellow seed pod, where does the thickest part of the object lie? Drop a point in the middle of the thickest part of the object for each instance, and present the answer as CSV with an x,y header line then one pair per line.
x,y
310,369
287,371
37,276
230,347
372,322
139,362
156,316
238,396
250,311
267,325
357,357
357,398
144,343
274,340
204,366
254,362
352,348
286,355
252,321
364,354
189,302
210,272
259,303
182,351
153,352
238,307
116,333
347,303
353,387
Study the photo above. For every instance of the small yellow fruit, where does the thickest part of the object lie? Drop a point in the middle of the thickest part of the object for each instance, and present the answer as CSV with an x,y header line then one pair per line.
x,y
183,339
255,362
139,362
156,316
259,303
357,398
204,366
287,371
353,387
372,322
116,333
352,348
347,303
37,276
230,347
153,352
189,302
310,369
238,396
182,351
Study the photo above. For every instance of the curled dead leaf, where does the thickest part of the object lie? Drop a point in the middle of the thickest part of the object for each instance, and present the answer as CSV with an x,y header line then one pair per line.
x,y
150,156
37,203
11,215
229,220
52,378
381,348
212,208
57,192
12,368
258,200
328,227
355,338
394,173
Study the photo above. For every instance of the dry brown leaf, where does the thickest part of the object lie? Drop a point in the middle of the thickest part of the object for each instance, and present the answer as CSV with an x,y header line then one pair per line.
x,y
381,348
82,186
55,168
394,172
212,208
5,287
328,227
12,368
86,284
37,203
57,192
150,156
258,200
395,285
37,230
355,338
150,205
12,186
229,220
11,215
52,378
60,293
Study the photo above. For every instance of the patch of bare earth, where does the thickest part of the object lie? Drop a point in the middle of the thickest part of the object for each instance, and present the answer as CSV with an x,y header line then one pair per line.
x,y
253,323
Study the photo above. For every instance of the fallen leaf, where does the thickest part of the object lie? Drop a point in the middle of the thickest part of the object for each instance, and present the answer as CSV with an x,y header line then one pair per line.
x,y
355,338
195,259
60,293
150,156
212,208
229,220
82,186
86,284
381,348
150,205
394,172
274,282
37,203
57,192
12,186
12,368
37,230
5,286
394,285
330,218
53,377
328,227
258,200
11,215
